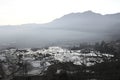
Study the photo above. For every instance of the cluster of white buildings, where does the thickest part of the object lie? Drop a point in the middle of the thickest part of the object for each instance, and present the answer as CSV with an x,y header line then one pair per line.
x,y
41,59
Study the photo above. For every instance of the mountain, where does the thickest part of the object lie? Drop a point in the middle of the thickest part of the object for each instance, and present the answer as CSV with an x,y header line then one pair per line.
x,y
69,29
87,21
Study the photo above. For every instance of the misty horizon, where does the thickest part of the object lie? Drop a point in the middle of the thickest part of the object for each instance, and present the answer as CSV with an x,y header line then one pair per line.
x,y
70,29
59,39
87,11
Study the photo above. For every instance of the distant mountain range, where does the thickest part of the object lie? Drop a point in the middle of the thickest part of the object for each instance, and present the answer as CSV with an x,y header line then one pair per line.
x,y
70,27
88,21
84,22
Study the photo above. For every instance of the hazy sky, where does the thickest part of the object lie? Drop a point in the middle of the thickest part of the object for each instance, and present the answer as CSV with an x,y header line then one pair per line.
x,y
14,12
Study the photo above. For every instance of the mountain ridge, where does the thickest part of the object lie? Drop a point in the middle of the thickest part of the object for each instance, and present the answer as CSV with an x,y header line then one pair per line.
x,y
71,28
74,13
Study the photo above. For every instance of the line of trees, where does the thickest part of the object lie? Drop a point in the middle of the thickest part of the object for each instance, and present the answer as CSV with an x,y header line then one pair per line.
x,y
111,47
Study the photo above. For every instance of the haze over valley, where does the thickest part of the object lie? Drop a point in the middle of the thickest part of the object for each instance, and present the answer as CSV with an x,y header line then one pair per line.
x,y
69,29
59,39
